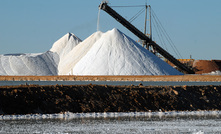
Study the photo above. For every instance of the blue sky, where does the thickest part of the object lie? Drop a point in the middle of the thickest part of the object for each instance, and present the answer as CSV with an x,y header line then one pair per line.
x,y
32,26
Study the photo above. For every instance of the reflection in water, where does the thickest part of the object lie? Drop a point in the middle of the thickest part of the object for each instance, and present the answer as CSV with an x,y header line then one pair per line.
x,y
141,124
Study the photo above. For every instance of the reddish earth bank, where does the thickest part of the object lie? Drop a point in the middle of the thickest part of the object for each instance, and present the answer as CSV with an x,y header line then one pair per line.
x,y
216,78
26,99
206,66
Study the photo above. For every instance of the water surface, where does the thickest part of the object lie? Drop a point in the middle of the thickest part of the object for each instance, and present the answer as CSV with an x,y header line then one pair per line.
x,y
175,124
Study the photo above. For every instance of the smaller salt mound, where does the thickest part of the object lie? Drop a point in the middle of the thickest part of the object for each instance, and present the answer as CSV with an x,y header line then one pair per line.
x,y
65,44
116,54
29,64
77,53
214,73
41,63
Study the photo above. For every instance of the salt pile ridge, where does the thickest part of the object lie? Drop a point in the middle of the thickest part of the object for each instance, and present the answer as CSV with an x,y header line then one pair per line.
x,y
29,64
40,63
76,54
113,53
65,44
110,53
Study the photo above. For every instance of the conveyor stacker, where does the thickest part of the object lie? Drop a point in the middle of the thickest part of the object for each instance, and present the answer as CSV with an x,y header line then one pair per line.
x,y
104,6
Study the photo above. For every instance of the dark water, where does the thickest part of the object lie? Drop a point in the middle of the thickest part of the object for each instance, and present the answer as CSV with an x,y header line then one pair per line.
x,y
148,83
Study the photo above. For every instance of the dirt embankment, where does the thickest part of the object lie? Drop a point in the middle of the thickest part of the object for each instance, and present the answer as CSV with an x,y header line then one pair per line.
x,y
206,66
114,78
26,99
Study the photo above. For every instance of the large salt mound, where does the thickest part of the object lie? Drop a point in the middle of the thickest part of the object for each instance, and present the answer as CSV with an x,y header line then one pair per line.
x,y
113,53
29,64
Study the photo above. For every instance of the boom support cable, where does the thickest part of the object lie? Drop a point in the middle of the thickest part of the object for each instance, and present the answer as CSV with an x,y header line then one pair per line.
x,y
130,6
137,15
166,34
160,36
104,6
160,30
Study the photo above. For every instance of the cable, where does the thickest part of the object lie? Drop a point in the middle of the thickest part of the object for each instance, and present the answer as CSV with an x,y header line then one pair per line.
x,y
159,34
168,38
137,15
130,6
158,27
166,34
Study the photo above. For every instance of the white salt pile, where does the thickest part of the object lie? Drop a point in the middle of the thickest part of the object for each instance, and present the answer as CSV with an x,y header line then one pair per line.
x,y
38,64
29,64
213,73
75,55
110,53
113,53
64,45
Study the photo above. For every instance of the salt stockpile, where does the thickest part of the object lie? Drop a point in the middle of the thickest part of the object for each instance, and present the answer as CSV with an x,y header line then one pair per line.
x,y
29,64
65,44
110,53
76,54
40,63
113,53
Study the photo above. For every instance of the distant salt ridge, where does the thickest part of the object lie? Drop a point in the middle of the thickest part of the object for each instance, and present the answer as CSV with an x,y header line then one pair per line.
x,y
38,63
110,53
114,53
29,64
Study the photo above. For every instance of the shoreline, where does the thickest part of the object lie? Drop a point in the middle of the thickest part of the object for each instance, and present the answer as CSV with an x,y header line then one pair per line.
x,y
36,99
70,115
178,78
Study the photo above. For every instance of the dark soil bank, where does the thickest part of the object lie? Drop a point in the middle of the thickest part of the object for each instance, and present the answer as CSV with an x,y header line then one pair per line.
x,y
26,99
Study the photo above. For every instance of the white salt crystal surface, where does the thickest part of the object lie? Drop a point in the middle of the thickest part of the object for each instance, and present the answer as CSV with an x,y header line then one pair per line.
x,y
116,54
110,53
76,54
29,64
65,44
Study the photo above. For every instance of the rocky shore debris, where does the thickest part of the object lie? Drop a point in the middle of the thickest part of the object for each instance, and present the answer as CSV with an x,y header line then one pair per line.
x,y
27,99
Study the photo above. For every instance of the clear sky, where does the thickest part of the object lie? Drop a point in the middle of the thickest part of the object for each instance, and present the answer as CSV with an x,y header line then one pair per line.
x,y
32,26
